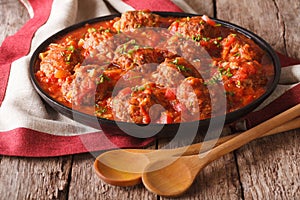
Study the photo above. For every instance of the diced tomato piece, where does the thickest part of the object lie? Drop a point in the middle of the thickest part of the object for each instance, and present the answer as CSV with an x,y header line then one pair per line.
x,y
113,73
251,69
145,114
61,74
208,20
230,41
174,27
247,100
166,118
170,95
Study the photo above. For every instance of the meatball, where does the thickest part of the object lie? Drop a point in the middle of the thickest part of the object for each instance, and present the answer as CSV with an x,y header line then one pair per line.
x,y
143,59
120,105
89,84
94,37
142,104
208,35
243,81
60,59
131,20
130,79
149,36
172,72
195,28
243,72
238,47
190,51
102,52
194,96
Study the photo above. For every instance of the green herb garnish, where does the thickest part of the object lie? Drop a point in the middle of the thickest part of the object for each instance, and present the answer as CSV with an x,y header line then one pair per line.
x,y
103,78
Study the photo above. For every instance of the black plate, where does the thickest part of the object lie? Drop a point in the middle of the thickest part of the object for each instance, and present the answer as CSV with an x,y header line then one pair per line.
x,y
110,126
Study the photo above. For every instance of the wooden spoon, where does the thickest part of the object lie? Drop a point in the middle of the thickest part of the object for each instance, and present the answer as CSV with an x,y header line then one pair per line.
x,y
124,167
178,174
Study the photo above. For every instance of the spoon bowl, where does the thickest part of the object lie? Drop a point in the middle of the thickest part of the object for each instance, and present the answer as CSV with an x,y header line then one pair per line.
x,y
122,167
116,177
170,185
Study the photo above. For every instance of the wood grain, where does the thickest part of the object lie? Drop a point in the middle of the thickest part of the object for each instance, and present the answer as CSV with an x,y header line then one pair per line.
x,y
13,15
85,185
289,14
269,167
202,7
34,178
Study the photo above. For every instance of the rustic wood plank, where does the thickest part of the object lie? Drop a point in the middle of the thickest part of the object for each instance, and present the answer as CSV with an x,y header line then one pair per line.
x,y
289,15
34,178
13,15
269,167
86,185
202,7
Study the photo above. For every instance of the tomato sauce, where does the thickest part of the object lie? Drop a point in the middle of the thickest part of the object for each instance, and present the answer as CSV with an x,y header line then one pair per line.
x,y
144,68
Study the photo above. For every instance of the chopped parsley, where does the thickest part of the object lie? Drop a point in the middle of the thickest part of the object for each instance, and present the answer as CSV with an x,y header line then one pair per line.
x,y
181,68
103,78
196,38
216,78
100,110
237,54
206,39
71,48
226,72
229,93
138,88
92,30
68,57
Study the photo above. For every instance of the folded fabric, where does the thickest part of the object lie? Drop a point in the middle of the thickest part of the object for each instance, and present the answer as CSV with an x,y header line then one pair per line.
x,y
29,127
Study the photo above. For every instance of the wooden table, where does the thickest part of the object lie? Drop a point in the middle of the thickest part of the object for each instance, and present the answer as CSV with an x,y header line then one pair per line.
x,y
267,168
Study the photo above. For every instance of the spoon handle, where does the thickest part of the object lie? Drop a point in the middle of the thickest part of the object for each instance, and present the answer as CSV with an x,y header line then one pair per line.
x,y
253,133
201,147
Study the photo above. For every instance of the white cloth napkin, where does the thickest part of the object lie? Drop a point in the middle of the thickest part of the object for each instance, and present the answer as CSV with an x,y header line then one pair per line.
x,y
22,106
